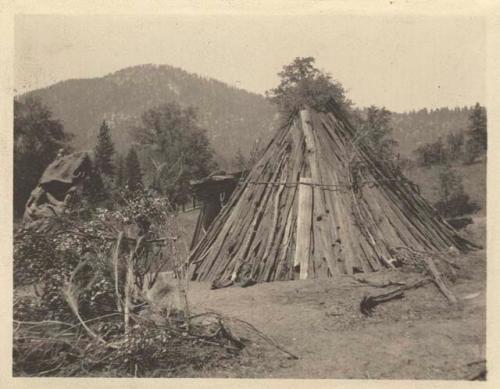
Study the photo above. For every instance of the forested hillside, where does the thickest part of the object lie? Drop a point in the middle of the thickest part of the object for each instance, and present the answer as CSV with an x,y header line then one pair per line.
x,y
234,118
414,128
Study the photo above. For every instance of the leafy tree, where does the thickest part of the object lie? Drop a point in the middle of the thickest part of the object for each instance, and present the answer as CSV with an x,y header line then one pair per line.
x,y
301,84
453,201
104,151
375,131
37,139
133,171
477,142
177,147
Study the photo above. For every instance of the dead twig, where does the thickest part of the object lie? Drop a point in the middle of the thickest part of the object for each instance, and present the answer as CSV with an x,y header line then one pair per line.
x,y
259,333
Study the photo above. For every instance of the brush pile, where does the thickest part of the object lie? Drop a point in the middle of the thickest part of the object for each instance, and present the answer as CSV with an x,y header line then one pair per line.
x,y
81,298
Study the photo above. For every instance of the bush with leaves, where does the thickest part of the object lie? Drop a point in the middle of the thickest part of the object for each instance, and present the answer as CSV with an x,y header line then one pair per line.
x,y
431,153
40,262
48,259
85,320
453,201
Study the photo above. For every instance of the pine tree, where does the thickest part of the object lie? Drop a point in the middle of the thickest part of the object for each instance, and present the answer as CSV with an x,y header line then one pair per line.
x,y
95,189
104,151
133,171
120,179
477,141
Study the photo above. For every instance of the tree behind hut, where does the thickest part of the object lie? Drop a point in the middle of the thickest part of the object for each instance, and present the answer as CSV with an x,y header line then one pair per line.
x,y
177,147
120,179
374,130
432,153
455,144
133,171
477,141
302,84
37,139
453,201
104,151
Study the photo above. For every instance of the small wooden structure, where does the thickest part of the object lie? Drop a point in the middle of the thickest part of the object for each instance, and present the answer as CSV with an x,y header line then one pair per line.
x,y
213,192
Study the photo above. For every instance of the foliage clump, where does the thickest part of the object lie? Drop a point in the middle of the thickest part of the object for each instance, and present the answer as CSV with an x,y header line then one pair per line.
x,y
104,151
133,172
38,137
453,201
175,149
87,309
303,84
465,146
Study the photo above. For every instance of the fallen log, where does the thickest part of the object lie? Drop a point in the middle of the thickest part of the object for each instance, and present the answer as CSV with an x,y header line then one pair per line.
x,y
368,303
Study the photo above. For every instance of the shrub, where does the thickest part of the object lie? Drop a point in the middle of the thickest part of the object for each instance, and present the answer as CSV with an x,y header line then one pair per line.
x,y
84,319
457,205
431,153
453,201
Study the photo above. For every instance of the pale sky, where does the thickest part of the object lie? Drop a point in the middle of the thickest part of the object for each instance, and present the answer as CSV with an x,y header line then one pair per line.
x,y
399,62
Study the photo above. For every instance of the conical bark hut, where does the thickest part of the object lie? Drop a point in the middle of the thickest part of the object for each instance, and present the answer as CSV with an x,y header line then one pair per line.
x,y
318,204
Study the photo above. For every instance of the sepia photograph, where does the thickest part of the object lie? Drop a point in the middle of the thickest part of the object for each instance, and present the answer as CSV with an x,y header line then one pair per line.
x,y
249,195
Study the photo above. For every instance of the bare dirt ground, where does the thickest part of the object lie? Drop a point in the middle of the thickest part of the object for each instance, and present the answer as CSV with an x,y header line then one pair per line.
x,y
420,336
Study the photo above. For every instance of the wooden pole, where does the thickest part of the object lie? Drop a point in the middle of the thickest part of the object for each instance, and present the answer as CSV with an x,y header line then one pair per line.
x,y
431,266
304,224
